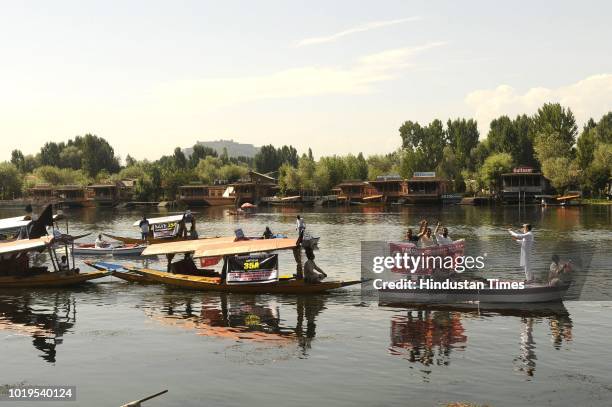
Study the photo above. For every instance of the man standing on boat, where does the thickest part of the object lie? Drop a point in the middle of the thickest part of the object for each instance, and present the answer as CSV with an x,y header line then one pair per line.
x,y
144,228
526,241
300,226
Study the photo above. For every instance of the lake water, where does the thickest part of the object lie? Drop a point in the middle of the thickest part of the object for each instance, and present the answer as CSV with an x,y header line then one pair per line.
x,y
117,342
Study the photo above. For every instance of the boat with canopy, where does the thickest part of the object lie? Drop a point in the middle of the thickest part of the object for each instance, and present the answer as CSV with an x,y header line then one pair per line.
x,y
20,266
162,229
249,266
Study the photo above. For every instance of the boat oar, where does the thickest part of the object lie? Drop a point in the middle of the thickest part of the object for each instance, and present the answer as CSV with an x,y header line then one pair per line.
x,y
138,403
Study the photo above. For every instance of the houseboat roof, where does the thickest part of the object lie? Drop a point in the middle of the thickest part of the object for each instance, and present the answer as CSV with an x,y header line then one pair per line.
x,y
519,174
260,175
68,187
349,183
25,245
204,186
387,178
102,186
42,187
162,219
427,179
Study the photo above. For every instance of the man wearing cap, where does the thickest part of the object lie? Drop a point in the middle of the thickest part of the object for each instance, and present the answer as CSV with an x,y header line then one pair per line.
x,y
526,241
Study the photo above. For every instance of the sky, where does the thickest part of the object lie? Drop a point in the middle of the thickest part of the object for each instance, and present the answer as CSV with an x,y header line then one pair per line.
x,y
339,77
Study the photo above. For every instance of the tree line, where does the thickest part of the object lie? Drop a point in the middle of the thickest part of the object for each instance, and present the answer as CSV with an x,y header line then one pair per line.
x,y
549,141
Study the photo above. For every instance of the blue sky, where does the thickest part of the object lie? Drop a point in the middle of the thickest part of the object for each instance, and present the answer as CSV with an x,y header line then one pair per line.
x,y
337,76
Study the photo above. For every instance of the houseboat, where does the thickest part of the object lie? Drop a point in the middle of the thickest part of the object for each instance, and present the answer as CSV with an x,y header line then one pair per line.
x,y
71,196
206,195
357,192
254,188
392,188
41,194
103,194
425,188
523,184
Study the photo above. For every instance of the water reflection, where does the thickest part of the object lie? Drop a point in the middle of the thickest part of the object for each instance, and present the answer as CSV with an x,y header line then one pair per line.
x,y
242,318
429,335
45,320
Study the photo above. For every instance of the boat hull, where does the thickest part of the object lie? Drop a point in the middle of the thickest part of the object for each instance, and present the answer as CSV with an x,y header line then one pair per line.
x,y
114,251
131,240
201,283
54,279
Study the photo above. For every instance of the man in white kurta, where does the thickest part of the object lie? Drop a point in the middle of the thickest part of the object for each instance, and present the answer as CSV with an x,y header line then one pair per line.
x,y
526,241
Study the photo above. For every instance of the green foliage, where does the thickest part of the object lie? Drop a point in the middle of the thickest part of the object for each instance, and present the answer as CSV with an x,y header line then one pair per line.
x,y
561,172
199,152
426,142
97,155
491,170
269,159
514,137
462,136
552,118
211,169
10,181
60,176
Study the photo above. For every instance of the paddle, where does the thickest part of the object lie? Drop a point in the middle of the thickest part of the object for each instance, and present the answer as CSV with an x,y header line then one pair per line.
x,y
138,403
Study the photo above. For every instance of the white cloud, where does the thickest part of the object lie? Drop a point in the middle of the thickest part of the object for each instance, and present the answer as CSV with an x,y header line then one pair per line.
x,y
589,97
359,77
357,29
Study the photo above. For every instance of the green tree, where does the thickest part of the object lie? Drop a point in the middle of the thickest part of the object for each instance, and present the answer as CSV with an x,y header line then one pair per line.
x,y
18,160
10,181
70,157
180,162
561,172
462,137
97,155
50,153
555,132
492,169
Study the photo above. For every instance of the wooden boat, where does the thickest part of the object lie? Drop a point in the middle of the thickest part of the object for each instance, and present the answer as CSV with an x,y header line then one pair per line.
x,y
203,283
256,278
90,249
15,262
163,229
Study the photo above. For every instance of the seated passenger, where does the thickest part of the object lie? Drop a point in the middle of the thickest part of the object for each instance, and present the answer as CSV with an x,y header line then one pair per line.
x,y
63,265
185,266
312,273
101,243
267,234
558,273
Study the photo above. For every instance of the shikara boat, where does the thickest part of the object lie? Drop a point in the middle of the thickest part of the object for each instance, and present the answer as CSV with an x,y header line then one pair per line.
x,y
164,229
90,249
15,270
248,267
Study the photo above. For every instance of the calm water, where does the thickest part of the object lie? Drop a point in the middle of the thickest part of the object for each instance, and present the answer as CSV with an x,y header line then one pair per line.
x,y
117,341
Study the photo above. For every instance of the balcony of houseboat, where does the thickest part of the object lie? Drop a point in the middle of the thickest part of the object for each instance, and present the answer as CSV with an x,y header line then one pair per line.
x,y
425,187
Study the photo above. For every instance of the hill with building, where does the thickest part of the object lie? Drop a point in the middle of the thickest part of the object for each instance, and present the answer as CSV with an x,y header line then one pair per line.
x,y
234,149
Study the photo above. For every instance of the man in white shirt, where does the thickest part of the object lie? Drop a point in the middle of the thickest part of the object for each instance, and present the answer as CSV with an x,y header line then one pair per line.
x,y
300,226
526,240
442,238
100,243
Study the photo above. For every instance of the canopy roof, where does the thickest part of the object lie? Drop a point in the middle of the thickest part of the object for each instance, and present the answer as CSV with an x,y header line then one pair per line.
x,y
163,219
14,223
25,245
183,246
219,246
244,246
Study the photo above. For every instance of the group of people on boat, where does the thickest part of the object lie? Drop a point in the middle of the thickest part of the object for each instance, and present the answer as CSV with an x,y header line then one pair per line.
x,y
426,238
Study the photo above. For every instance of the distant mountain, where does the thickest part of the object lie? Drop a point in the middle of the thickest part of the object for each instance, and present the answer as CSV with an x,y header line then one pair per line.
x,y
233,149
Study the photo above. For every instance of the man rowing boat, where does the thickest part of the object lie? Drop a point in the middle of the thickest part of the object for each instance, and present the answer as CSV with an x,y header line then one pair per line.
x,y
526,241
